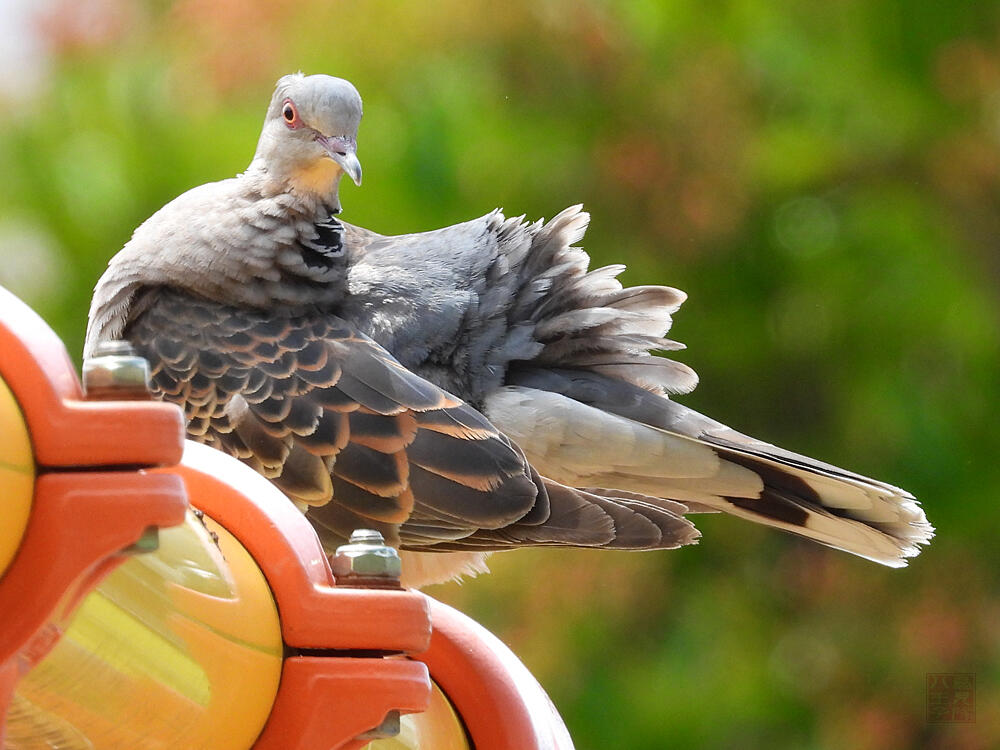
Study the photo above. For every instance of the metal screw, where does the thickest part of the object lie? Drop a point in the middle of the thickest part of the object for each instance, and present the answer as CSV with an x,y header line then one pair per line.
x,y
115,372
366,561
387,729
148,542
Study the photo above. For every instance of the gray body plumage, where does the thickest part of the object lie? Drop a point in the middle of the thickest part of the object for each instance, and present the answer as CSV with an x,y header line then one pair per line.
x,y
466,389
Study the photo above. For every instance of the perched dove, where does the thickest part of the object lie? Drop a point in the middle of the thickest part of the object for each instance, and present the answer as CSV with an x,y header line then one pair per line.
x,y
463,390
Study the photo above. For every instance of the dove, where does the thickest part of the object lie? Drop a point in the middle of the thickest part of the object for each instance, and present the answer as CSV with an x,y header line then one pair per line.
x,y
464,390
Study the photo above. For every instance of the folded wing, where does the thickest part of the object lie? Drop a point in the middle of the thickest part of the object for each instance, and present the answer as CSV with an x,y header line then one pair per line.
x,y
342,428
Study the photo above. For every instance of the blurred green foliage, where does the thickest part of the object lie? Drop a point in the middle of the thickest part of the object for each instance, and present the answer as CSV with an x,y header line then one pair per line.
x,y
823,179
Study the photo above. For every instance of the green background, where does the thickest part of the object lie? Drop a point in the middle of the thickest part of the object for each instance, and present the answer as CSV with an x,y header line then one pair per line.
x,y
823,179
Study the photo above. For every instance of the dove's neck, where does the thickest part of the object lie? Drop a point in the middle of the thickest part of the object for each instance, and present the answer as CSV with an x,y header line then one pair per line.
x,y
313,181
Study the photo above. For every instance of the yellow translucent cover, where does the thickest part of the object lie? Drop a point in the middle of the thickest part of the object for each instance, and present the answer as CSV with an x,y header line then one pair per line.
x,y
17,476
179,648
437,728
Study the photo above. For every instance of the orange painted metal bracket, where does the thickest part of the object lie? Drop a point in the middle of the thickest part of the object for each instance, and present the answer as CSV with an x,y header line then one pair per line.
x,y
500,701
330,695
322,698
66,430
80,521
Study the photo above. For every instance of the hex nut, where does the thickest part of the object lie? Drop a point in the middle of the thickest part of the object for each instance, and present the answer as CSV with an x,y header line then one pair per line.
x,y
115,371
366,560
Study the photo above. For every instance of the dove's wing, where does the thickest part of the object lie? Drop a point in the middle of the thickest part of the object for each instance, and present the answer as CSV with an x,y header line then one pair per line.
x,y
339,425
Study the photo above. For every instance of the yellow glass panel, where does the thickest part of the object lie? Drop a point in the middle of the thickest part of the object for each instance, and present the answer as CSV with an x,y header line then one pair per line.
x,y
17,476
179,648
437,728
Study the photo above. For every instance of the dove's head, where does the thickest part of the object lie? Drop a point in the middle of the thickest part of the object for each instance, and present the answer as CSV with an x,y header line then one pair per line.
x,y
310,133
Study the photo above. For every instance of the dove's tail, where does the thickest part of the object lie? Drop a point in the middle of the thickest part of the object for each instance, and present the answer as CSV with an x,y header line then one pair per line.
x,y
829,505
588,430
590,409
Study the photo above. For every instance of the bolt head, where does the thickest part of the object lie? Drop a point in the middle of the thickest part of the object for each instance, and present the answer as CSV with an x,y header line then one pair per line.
x,y
366,558
366,536
388,729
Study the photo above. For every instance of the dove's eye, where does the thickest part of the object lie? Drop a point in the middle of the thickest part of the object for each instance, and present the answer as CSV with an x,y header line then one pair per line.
x,y
290,114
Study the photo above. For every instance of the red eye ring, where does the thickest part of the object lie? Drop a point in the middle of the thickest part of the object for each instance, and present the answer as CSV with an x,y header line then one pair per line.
x,y
290,114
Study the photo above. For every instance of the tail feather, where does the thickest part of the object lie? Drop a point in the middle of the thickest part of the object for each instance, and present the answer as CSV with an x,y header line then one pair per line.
x,y
596,518
866,517
643,522
820,525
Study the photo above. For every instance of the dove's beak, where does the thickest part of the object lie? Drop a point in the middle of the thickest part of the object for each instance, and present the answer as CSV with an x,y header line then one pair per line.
x,y
343,150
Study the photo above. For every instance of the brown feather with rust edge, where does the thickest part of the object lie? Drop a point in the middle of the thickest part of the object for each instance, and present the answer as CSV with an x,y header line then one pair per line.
x,y
327,414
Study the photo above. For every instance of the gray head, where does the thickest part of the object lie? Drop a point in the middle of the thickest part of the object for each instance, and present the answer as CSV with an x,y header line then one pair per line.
x,y
310,133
